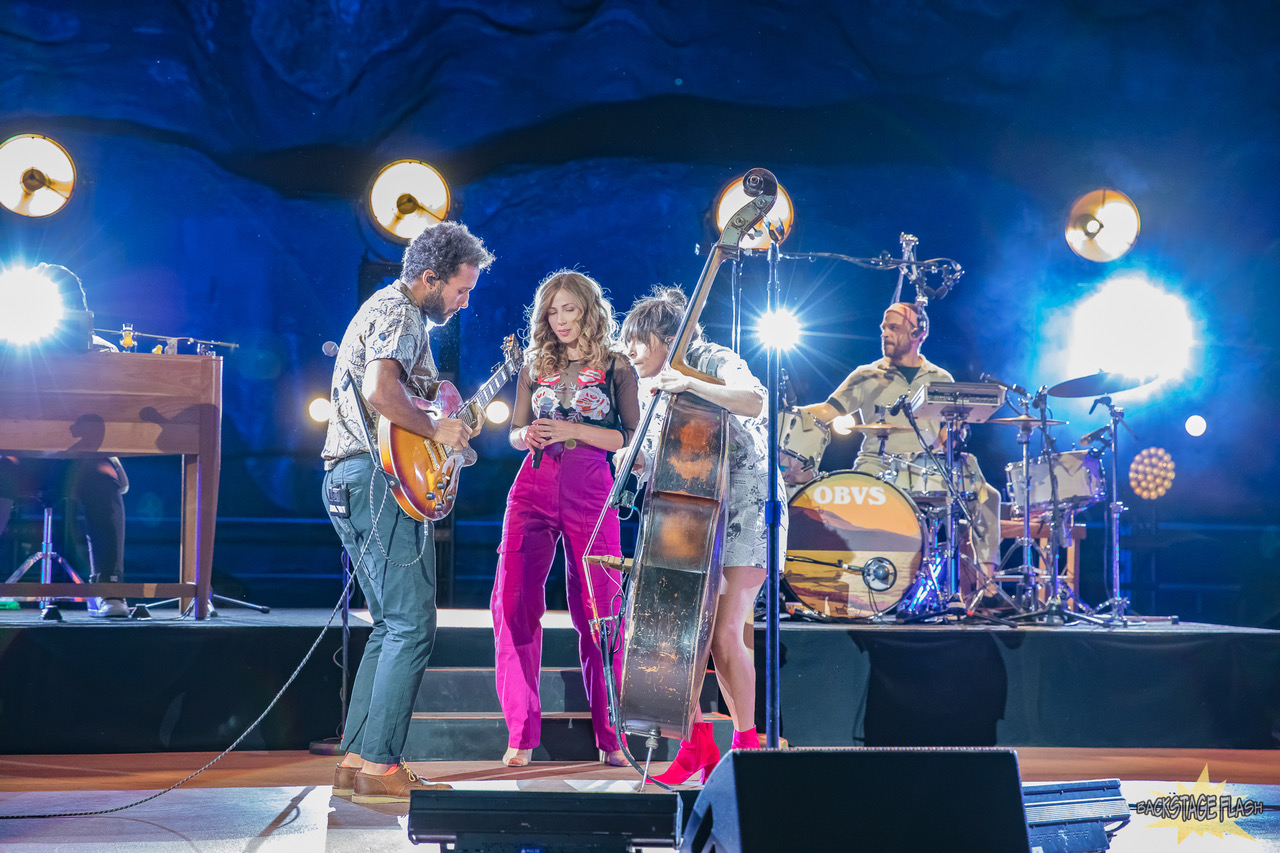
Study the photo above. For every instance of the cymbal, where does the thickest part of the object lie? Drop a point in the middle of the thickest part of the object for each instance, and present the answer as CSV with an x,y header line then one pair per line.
x,y
1097,384
1024,420
877,429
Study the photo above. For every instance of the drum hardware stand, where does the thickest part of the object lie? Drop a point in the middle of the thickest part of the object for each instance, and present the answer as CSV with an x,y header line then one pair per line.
x,y
1053,612
954,606
1118,605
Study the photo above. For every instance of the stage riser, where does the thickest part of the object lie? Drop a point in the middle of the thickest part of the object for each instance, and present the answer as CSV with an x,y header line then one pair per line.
x,y
565,737
157,687
449,690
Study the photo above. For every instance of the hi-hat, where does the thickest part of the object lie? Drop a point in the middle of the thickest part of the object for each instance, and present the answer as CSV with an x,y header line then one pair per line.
x,y
36,175
1097,384
1024,421
408,197
1102,225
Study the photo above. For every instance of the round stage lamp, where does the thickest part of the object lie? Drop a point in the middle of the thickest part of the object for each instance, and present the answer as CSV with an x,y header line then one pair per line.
x,y
36,175
1151,473
320,410
30,306
406,198
779,330
1102,225
778,220
497,412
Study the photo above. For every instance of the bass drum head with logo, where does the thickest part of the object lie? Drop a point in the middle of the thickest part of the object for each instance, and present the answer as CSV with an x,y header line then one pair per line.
x,y
871,526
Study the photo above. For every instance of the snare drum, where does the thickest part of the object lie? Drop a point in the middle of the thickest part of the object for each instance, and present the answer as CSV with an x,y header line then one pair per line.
x,y
802,439
854,544
1080,483
921,478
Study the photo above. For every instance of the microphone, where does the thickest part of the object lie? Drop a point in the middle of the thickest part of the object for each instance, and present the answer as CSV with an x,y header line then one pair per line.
x,y
1090,437
545,405
787,393
330,349
1015,388
898,406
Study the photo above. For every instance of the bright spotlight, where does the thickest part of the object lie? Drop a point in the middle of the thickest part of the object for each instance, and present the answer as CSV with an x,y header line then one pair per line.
x,y
406,198
321,409
30,306
1132,327
497,412
1102,225
778,330
843,425
1196,426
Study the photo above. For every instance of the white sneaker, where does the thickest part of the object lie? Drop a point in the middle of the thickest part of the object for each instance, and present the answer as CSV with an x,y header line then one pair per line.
x,y
108,608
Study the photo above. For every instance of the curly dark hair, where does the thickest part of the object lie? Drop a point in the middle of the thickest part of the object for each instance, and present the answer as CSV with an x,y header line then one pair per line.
x,y
443,250
658,314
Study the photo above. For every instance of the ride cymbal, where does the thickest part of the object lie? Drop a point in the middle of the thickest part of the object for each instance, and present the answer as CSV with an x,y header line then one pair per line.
x,y
1024,420
1097,384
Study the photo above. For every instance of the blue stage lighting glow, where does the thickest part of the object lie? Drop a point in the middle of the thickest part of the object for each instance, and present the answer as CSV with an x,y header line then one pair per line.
x,y
1196,426
1132,326
778,330
30,306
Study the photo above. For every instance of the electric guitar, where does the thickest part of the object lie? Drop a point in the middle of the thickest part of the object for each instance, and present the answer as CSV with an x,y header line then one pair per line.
x,y
426,470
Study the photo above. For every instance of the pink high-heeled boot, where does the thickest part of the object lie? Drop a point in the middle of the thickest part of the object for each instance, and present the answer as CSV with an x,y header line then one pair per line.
x,y
698,755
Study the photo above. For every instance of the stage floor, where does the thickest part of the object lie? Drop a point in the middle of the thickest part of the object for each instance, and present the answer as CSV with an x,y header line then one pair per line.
x,y
281,800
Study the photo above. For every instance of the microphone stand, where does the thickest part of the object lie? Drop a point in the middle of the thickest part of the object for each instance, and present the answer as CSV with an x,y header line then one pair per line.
x,y
773,522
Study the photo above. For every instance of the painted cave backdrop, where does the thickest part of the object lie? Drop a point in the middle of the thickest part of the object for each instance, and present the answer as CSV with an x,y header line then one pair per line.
x,y
223,149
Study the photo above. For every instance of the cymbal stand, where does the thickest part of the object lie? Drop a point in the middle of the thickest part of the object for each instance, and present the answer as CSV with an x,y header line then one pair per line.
x,y
1052,613
954,606
1027,570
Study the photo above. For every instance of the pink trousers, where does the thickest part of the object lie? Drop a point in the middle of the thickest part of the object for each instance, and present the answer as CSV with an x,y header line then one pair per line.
x,y
561,499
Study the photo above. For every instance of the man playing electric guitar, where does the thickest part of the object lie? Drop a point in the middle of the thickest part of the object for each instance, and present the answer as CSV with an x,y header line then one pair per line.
x,y
385,354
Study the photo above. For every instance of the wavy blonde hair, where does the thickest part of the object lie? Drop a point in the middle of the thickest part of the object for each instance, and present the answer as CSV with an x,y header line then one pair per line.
x,y
545,353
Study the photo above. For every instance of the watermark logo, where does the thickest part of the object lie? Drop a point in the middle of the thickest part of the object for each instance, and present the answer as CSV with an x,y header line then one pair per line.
x,y
1202,809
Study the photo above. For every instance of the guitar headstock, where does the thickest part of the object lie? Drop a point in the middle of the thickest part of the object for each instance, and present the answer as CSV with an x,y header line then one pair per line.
x,y
512,352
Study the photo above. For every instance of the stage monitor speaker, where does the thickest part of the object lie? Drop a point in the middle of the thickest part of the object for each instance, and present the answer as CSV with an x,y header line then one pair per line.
x,y
477,821
864,799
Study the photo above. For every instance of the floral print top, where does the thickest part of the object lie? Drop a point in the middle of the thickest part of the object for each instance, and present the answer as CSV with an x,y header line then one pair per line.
x,y
605,397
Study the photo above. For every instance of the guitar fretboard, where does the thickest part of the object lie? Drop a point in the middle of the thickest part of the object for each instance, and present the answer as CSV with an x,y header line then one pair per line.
x,y
486,393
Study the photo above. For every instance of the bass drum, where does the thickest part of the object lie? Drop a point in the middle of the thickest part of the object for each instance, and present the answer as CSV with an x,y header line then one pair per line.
x,y
854,542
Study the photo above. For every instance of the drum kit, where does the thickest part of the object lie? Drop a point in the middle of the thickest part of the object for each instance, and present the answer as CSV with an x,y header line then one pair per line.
x,y
884,541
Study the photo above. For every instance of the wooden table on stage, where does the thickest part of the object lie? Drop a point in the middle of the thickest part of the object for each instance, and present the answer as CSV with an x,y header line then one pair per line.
x,y
1068,570
123,404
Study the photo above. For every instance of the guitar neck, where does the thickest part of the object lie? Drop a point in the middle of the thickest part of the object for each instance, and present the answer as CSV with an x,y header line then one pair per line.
x,y
486,393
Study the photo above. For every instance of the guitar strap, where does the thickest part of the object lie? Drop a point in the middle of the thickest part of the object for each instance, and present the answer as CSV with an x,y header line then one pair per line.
x,y
348,384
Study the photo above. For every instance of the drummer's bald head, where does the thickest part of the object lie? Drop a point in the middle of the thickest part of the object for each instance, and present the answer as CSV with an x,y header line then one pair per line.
x,y
912,316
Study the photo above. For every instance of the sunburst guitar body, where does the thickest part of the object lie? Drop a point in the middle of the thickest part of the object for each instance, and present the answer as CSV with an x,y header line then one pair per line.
x,y
426,472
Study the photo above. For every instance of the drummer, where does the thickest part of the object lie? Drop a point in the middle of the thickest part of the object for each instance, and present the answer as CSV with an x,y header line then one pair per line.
x,y
874,388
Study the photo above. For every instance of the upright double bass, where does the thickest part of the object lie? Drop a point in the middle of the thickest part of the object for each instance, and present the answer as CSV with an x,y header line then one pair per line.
x,y
675,573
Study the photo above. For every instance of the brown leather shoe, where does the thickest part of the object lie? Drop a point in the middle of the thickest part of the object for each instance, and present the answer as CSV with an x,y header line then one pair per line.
x,y
392,788
344,779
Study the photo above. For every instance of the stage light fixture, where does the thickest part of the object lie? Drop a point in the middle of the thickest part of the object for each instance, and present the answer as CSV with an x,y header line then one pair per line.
x,y
1102,225
320,410
406,198
843,424
497,412
778,330
30,306
36,175
1131,326
1151,473
1196,425
778,220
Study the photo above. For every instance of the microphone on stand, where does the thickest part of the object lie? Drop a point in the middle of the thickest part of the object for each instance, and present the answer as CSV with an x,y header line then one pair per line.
x,y
898,406
1091,437
1014,387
